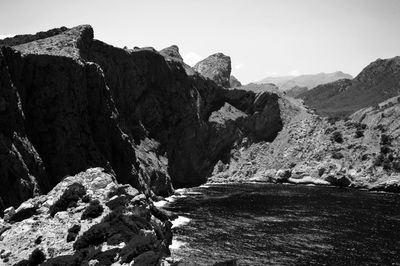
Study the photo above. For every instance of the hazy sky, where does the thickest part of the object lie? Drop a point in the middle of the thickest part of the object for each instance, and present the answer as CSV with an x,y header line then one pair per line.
x,y
262,37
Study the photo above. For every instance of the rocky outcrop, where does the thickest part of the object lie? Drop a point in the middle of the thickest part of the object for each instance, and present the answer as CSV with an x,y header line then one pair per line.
x,y
25,38
234,82
172,54
216,67
87,219
77,102
376,83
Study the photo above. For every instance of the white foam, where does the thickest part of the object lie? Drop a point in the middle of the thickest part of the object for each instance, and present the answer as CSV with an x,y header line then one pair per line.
x,y
176,244
180,190
181,220
160,203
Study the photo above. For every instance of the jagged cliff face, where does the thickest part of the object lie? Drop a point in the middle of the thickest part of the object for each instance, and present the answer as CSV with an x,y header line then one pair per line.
x,y
71,102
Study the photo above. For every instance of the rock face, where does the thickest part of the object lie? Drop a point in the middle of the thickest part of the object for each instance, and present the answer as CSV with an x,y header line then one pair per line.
x,y
216,67
86,219
234,82
377,82
70,102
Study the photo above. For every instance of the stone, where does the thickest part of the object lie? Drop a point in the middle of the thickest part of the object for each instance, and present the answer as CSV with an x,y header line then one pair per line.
x,y
282,175
338,180
216,67
9,213
70,238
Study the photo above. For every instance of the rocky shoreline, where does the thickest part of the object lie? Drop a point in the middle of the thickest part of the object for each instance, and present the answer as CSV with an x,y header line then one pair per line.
x,y
86,219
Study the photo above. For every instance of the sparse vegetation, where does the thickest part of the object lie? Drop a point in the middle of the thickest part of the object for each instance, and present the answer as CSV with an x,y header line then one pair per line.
x,y
337,137
68,199
93,210
385,139
359,134
337,155
73,232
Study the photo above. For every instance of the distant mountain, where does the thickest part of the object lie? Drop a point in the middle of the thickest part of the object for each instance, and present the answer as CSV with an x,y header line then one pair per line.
x,y
378,82
309,81
296,91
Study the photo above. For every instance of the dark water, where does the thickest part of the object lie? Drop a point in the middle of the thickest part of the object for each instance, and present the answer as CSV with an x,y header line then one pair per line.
x,y
264,224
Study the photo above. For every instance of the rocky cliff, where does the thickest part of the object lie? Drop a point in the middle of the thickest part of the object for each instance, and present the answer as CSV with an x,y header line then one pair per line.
x,y
361,152
71,102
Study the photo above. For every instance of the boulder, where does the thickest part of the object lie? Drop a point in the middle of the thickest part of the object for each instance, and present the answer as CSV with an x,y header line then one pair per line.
x,y
216,67
338,180
123,230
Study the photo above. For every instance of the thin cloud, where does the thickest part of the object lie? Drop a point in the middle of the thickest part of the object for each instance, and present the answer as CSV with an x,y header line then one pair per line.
x,y
192,58
295,73
238,66
271,74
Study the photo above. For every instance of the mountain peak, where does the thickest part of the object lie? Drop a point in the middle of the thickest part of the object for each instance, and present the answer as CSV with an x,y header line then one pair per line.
x,y
216,67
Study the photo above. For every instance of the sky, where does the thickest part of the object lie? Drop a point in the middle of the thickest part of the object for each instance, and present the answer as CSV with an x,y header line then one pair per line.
x,y
262,37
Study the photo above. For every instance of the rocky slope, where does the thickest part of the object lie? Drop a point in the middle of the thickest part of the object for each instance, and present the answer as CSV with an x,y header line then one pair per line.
x,y
216,67
70,102
361,152
296,91
309,81
234,82
378,82
87,219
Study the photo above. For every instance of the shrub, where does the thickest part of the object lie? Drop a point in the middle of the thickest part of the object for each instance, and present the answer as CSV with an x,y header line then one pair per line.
x,y
364,157
396,164
332,120
73,232
329,130
387,165
96,235
68,199
379,160
381,128
385,139
385,149
337,137
86,198
337,155
37,257
359,133
93,210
